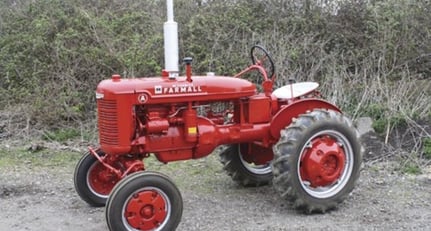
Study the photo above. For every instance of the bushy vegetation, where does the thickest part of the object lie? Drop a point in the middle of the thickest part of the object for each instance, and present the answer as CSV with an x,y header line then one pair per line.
x,y
371,57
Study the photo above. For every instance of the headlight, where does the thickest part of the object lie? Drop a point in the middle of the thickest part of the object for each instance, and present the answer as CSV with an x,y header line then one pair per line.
x,y
99,95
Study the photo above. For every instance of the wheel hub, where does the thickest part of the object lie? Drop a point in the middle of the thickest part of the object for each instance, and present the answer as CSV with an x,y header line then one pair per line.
x,y
101,179
323,162
146,210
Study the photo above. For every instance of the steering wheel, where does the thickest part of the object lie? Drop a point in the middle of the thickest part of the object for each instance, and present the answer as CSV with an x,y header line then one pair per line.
x,y
260,56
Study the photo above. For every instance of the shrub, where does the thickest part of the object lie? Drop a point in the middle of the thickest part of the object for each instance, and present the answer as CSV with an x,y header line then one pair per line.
x,y
370,57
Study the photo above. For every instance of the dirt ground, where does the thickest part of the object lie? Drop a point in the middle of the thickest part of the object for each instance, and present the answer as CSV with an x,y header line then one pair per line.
x,y
40,196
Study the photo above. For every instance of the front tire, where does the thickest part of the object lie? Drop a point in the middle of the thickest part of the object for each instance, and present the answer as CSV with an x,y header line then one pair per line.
x,y
317,160
144,201
242,172
93,182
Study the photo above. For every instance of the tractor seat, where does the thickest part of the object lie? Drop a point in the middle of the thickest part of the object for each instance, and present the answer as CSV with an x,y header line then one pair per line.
x,y
294,90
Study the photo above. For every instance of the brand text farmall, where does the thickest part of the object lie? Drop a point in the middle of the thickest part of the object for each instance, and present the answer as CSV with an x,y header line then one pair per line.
x,y
177,89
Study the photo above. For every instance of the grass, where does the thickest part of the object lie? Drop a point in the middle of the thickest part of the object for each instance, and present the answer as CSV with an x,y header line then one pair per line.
x,y
61,135
201,175
10,157
412,169
427,148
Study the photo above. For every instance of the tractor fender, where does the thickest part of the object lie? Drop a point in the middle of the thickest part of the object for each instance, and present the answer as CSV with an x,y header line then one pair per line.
x,y
284,116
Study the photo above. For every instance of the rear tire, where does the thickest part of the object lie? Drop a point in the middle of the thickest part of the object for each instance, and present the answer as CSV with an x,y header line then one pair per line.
x,y
144,201
244,173
317,161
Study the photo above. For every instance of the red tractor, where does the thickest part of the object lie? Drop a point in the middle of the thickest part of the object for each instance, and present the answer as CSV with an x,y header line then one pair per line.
x,y
290,136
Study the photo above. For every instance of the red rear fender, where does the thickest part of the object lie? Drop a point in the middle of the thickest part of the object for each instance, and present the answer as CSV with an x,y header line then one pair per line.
x,y
284,117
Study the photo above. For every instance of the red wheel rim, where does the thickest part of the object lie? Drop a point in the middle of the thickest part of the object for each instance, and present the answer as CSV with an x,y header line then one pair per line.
x,y
147,209
100,180
259,169
325,164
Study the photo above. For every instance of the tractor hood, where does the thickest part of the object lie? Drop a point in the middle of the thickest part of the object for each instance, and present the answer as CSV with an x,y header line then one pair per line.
x,y
156,90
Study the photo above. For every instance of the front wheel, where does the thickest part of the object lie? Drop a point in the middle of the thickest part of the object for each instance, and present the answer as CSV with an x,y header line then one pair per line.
x,y
93,181
144,201
317,160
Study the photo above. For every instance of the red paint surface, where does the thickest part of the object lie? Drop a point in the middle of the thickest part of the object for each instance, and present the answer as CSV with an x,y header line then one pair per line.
x,y
167,123
146,210
323,162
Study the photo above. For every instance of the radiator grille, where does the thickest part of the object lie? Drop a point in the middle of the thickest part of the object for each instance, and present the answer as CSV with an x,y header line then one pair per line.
x,y
108,122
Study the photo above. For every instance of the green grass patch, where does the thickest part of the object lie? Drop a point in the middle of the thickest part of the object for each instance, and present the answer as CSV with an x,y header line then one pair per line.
x,y
411,168
61,135
427,148
10,157
202,175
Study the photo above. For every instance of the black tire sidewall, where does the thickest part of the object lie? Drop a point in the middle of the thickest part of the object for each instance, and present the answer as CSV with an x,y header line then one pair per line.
x,y
356,148
236,168
288,155
81,182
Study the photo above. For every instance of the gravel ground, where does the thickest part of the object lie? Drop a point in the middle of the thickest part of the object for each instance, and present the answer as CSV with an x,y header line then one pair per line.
x,y
35,196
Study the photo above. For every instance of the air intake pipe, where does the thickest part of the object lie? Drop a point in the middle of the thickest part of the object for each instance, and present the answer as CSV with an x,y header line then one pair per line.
x,y
170,33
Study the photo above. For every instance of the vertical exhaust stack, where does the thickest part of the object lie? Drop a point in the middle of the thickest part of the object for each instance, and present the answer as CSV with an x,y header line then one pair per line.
x,y
170,35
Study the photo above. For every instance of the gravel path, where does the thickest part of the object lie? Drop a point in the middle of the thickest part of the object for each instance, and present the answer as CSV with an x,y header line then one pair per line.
x,y
34,197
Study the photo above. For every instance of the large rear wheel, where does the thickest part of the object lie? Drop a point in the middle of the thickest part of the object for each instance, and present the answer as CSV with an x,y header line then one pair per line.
x,y
317,160
144,201
243,169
